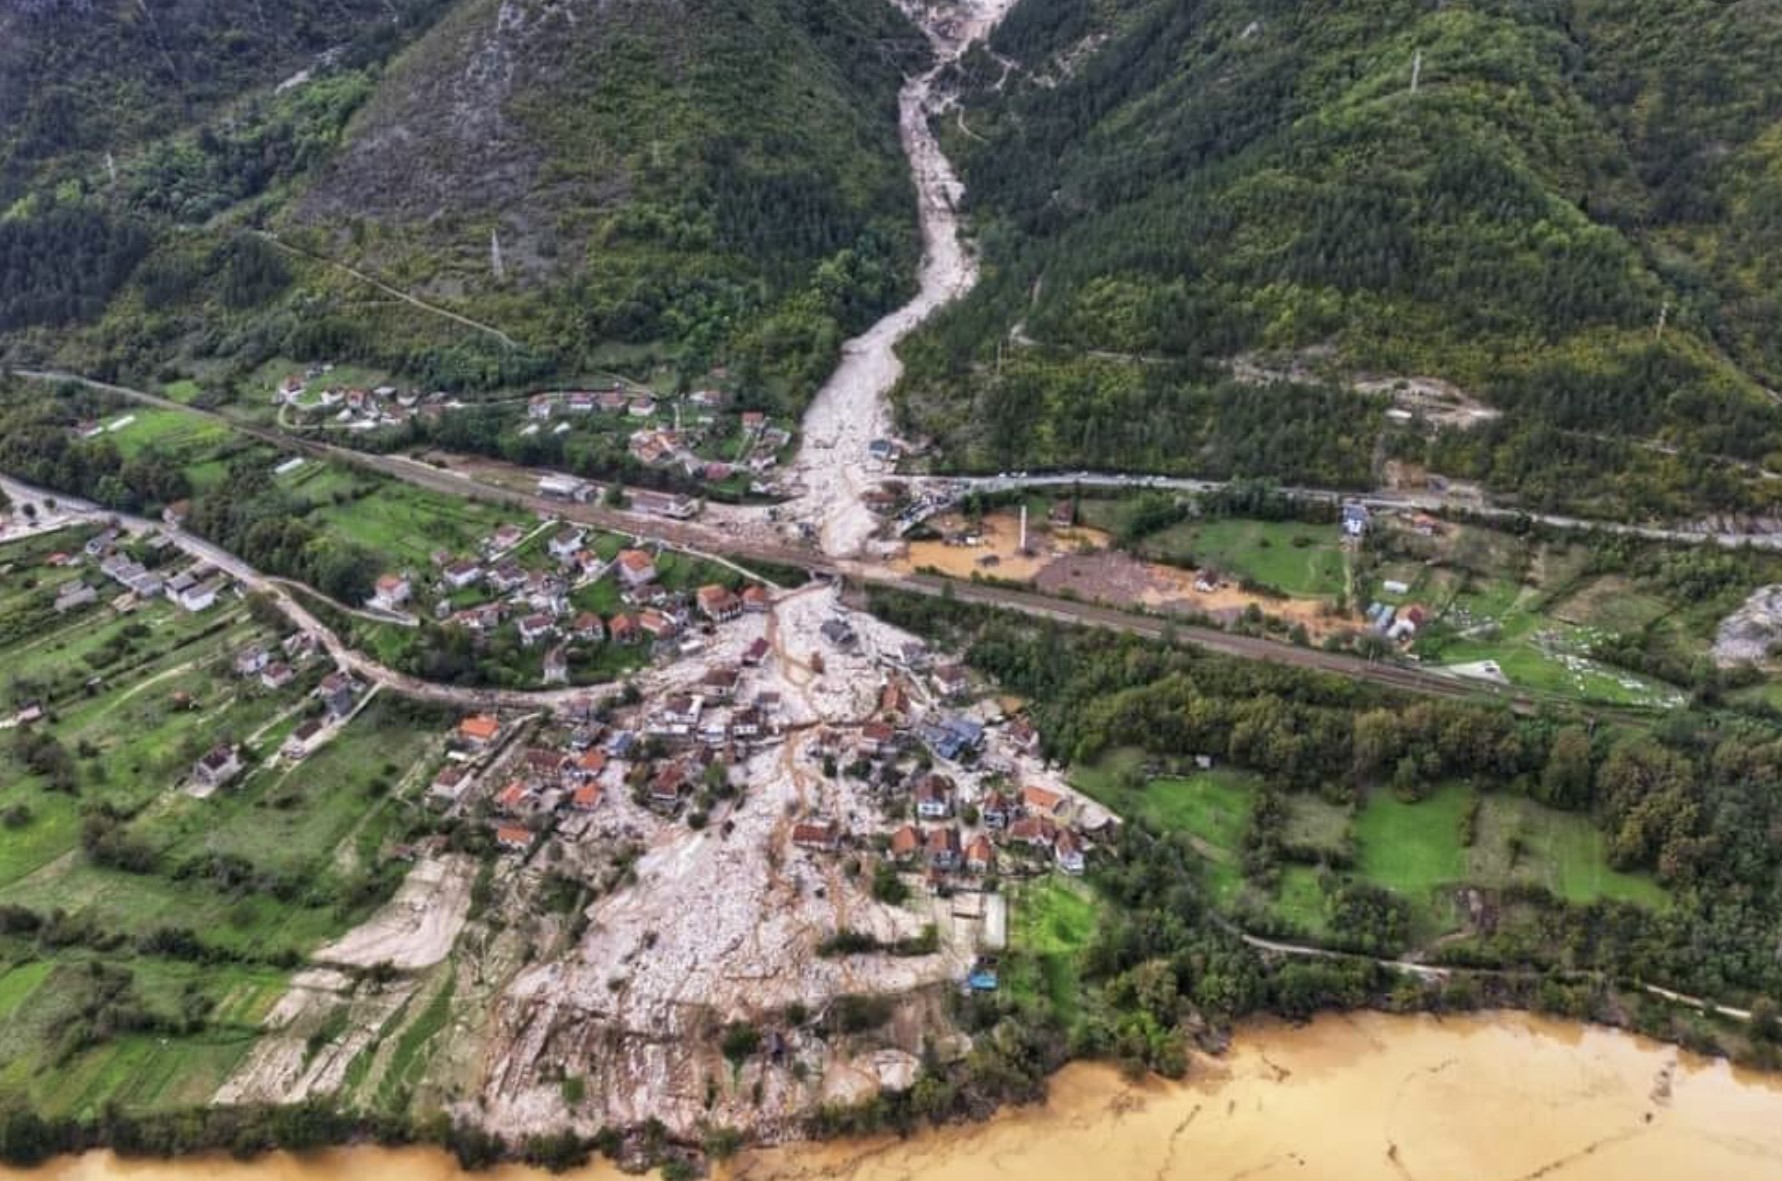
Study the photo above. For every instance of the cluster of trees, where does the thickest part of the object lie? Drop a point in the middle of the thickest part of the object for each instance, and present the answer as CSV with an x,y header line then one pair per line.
x,y
75,80
1688,799
1289,194
64,264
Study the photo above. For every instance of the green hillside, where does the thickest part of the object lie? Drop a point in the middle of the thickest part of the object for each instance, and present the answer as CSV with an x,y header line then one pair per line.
x,y
1188,184
712,183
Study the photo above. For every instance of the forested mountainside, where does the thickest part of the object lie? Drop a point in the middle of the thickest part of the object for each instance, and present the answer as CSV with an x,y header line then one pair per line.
x,y
79,78
715,180
1569,209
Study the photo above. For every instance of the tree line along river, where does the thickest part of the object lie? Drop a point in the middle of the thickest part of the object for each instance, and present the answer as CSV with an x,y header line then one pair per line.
x,y
1495,1097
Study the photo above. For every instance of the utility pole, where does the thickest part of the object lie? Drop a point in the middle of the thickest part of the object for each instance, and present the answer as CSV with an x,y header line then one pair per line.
x,y
1416,70
495,263
1664,313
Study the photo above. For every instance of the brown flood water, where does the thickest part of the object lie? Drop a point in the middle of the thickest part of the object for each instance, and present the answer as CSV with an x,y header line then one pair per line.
x,y
1496,1098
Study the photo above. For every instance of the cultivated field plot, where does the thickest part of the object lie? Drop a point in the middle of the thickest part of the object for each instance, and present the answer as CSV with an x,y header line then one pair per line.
x,y
1416,850
406,524
148,932
1301,560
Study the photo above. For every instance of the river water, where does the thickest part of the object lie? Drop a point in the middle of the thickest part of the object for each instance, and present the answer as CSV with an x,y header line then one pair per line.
x,y
1503,1097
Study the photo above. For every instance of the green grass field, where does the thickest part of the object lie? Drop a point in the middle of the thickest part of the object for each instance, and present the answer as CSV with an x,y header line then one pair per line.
x,y
407,524
175,433
1051,920
1416,850
1213,807
1303,560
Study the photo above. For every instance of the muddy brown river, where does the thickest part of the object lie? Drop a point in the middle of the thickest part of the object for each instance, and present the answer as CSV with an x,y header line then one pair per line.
x,y
1495,1098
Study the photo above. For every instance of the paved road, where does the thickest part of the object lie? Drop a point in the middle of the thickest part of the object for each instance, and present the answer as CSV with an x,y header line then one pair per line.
x,y
1422,501
349,658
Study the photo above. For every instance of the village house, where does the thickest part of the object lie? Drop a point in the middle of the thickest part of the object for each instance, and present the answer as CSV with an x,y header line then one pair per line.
x,y
201,596
755,598
680,713
589,765
980,857
1040,801
951,680
337,691
1067,850
540,406
303,740
536,628
934,797
566,543
588,628
657,624
217,767
894,701
74,595
624,630
1355,519
515,838
580,402
463,575
952,738
719,683
666,787
1034,831
545,766
174,515
636,568
943,849
745,723
838,632
1023,737
906,842
586,798
817,836
998,810
611,401
478,731
876,739
756,652
555,670
391,592
504,538
513,799
450,783
277,675
718,604
641,407
251,661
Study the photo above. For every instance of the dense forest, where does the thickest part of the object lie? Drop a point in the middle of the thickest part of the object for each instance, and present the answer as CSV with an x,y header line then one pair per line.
x,y
1194,183
721,187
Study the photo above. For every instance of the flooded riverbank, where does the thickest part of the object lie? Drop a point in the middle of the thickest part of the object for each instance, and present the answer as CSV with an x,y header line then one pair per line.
x,y
1502,1096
